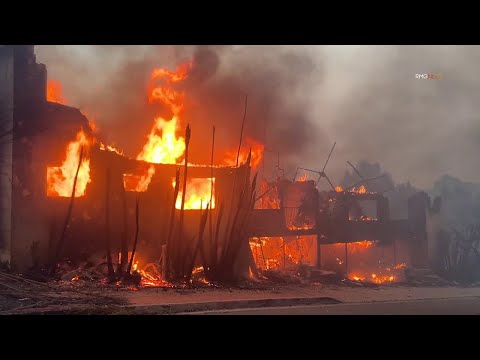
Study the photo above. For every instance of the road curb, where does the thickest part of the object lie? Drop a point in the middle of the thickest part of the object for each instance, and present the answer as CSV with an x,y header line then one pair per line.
x,y
174,308
164,309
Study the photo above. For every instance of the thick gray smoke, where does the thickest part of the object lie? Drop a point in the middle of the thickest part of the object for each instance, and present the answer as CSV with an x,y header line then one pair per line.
x,y
112,89
365,98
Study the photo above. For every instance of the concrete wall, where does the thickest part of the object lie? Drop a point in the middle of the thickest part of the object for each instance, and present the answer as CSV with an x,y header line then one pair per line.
x,y
6,124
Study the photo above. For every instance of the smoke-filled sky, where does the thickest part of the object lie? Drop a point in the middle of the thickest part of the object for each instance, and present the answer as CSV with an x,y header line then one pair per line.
x,y
365,98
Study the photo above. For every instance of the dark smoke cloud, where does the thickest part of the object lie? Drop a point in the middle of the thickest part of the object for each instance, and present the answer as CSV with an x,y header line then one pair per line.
x,y
364,98
224,76
220,79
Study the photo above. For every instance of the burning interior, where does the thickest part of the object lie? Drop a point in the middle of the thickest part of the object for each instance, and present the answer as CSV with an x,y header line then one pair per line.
x,y
160,216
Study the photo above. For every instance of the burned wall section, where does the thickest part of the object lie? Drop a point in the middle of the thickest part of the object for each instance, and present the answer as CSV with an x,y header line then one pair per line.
x,y
39,132
6,126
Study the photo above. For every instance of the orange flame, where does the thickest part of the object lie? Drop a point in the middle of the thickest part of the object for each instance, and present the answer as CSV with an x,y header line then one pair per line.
x,y
338,189
359,245
198,194
303,178
162,146
60,179
360,190
54,92
373,278
110,148
257,154
138,183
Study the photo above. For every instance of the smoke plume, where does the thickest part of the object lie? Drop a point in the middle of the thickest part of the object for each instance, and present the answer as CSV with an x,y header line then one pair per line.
x,y
300,100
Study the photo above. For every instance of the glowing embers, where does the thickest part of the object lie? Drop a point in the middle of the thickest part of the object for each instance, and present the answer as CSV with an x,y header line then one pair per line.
x,y
373,278
198,193
60,180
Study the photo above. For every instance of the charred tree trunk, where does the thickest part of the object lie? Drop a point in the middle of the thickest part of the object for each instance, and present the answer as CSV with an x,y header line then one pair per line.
x,y
137,229
124,243
210,220
111,271
182,243
171,245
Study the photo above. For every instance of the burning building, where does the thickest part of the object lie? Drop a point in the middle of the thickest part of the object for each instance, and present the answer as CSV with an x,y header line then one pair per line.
x,y
66,194
34,134
61,186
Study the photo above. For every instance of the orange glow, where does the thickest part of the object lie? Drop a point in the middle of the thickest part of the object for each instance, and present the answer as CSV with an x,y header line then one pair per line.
x,y
54,92
257,154
275,252
269,200
198,194
138,183
304,177
360,190
366,262
373,278
92,124
166,94
338,189
359,246
150,275
60,179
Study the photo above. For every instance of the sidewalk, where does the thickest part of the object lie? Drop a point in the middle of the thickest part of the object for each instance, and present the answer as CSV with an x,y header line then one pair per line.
x,y
173,301
158,301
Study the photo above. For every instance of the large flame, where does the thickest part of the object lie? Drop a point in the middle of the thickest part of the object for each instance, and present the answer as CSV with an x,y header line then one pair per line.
x,y
163,146
60,179
198,194
54,92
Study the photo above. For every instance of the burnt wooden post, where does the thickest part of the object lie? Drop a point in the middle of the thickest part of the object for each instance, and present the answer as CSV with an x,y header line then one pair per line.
x,y
319,253
317,230
394,244
111,272
67,219
346,259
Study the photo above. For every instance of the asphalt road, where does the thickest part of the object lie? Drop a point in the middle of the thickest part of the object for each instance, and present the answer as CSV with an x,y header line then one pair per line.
x,y
449,306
